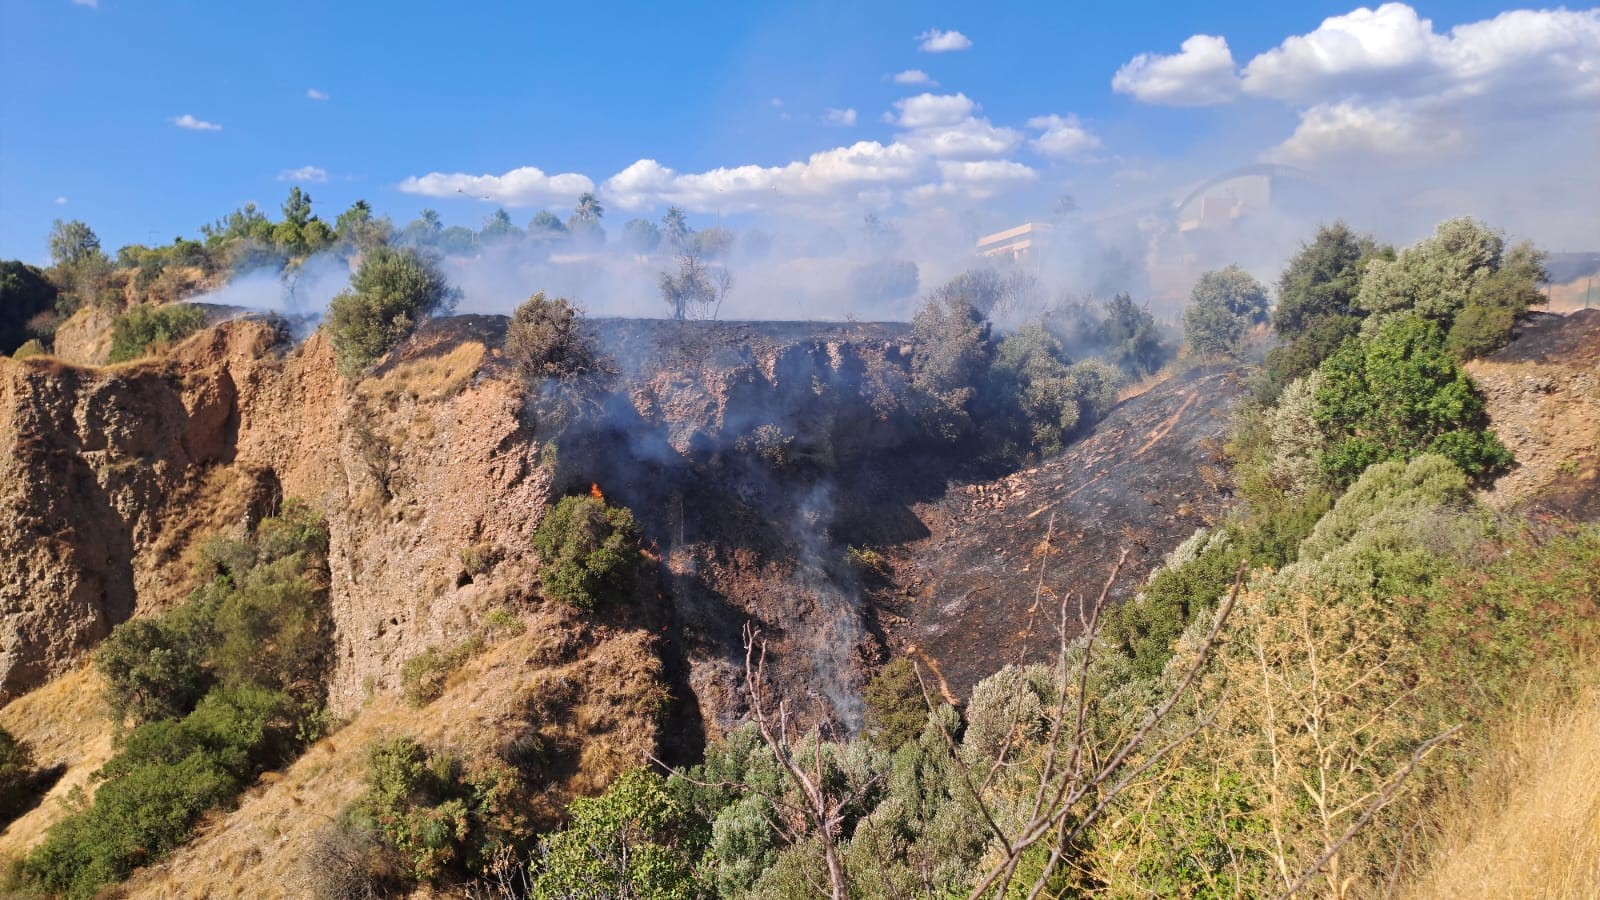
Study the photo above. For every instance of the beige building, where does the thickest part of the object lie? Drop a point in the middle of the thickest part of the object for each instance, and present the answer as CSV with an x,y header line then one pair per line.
x,y
1020,244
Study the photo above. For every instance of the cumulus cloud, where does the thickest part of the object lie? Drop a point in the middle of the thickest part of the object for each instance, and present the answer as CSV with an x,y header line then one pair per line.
x,y
524,186
1346,131
1062,138
1523,57
314,94
192,124
845,118
914,76
1200,74
1384,83
974,180
933,110
936,41
970,138
304,174
825,175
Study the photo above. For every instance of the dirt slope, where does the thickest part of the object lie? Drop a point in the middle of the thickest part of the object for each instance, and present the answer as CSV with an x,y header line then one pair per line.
x,y
1543,394
1144,480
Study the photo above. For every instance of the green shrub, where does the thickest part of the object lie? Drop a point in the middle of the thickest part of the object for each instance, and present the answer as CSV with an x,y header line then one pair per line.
x,y
896,711
18,778
587,551
635,840
1221,307
153,668
167,774
390,293
1398,394
143,326
30,347
423,677
435,814
25,293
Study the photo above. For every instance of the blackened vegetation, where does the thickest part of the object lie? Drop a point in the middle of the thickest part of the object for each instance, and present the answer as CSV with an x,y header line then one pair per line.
x,y
982,588
756,455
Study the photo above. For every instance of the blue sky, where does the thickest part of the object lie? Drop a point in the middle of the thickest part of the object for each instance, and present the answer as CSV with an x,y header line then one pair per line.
x,y
93,94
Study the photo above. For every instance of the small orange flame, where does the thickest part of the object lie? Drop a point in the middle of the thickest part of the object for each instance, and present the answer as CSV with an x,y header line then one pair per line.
x,y
594,491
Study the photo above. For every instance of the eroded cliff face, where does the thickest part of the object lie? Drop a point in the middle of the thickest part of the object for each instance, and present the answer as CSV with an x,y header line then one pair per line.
x,y
111,475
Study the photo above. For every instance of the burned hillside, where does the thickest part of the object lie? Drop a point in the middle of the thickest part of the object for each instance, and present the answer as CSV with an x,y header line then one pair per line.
x,y
985,586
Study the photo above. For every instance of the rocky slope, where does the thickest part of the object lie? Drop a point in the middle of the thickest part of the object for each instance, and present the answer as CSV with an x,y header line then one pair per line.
x,y
1543,394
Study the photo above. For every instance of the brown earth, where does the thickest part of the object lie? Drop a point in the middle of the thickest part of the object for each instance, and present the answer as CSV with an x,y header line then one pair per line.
x,y
1543,395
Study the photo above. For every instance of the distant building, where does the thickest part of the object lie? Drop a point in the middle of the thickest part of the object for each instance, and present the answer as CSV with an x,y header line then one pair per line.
x,y
1020,244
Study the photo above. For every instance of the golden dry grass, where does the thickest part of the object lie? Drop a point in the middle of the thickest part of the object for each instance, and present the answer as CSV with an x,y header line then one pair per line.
x,y
430,377
65,723
1529,823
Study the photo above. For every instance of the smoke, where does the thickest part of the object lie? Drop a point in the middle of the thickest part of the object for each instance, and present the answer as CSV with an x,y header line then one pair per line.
x,y
300,294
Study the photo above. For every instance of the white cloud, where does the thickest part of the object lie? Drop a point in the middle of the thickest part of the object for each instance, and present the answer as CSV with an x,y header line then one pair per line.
x,y
845,118
971,138
1521,58
933,110
945,126
525,186
936,41
1062,138
1200,74
61,201
193,124
974,180
1348,131
914,76
826,175
92,4
304,174
1362,47
777,102
314,94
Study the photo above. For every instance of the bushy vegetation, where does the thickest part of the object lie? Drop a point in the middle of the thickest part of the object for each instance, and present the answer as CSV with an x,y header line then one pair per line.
x,y
545,339
1400,393
423,677
391,292
25,295
635,840
1317,310
143,327
1462,279
431,813
588,551
1223,306
1021,394
223,687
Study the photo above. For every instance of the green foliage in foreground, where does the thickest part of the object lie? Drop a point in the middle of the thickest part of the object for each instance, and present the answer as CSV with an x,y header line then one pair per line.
x,y
223,687
635,840
587,550
1398,394
392,291
143,326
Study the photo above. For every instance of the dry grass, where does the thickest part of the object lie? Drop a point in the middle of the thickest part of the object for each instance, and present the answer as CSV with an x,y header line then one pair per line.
x,y
1529,824
430,377
65,723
